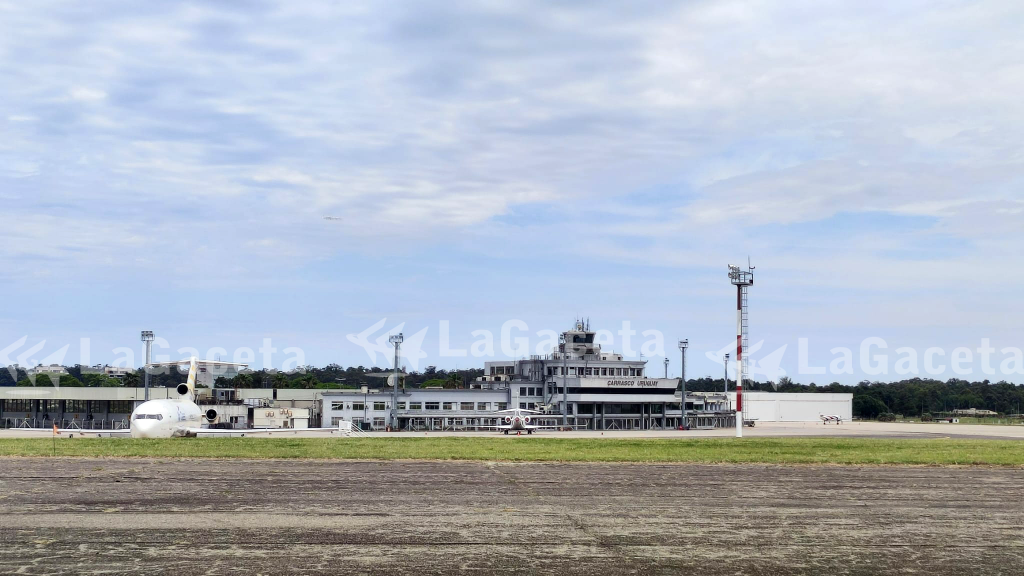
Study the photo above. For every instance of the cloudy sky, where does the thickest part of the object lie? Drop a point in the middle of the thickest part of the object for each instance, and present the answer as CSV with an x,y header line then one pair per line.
x,y
167,166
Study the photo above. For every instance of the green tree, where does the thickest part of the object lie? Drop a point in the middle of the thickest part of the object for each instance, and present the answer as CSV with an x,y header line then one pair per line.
x,y
454,380
280,380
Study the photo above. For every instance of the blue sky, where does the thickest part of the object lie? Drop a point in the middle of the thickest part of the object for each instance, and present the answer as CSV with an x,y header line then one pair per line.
x,y
166,166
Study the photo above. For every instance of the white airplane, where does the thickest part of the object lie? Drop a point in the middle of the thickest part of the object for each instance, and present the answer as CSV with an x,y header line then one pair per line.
x,y
181,416
826,418
518,420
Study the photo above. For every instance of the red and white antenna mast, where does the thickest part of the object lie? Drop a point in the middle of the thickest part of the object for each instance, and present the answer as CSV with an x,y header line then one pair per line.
x,y
741,279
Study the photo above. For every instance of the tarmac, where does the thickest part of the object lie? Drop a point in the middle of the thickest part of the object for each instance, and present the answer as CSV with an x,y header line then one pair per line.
x,y
855,429
190,517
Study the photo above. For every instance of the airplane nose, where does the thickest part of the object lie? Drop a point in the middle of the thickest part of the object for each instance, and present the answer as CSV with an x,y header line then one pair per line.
x,y
142,428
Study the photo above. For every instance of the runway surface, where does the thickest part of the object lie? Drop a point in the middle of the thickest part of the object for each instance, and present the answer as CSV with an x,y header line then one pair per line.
x,y
183,517
856,429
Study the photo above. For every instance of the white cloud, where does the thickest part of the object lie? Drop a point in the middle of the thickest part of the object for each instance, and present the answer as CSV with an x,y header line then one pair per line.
x,y
87,94
666,123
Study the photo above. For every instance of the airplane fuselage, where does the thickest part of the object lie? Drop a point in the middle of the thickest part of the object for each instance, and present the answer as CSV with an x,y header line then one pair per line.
x,y
516,422
165,418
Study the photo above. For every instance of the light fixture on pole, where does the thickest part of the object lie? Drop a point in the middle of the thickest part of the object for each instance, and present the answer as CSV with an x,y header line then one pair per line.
x,y
725,364
147,337
683,345
396,340
563,344
742,280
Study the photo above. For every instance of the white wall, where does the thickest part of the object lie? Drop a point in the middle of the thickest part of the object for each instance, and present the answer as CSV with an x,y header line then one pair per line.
x,y
794,407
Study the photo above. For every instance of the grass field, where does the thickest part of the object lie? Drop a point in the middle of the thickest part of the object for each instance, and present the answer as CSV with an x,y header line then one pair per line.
x,y
936,452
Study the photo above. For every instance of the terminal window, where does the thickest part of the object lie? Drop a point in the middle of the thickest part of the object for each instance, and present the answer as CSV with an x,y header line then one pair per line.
x,y
337,405
380,406
502,405
481,405
358,406
415,406
465,406
433,405
447,406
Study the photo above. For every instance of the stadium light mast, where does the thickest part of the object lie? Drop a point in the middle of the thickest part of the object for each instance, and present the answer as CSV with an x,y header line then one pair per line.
x,y
742,280
147,337
396,340
683,345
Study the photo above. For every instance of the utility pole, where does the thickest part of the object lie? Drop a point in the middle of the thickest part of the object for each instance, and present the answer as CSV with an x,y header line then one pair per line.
x,y
396,340
683,345
147,337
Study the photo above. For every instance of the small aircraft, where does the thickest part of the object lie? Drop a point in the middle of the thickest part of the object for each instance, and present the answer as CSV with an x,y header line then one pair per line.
x,y
519,420
181,416
826,418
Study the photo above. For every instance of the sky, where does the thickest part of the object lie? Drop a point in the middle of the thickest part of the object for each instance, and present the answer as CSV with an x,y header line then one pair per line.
x,y
168,167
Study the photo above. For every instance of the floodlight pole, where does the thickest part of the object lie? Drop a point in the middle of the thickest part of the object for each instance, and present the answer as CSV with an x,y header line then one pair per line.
x,y
741,279
396,340
683,345
147,337
666,368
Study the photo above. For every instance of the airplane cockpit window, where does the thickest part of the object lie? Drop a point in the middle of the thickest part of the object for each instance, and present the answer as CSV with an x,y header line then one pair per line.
x,y
147,417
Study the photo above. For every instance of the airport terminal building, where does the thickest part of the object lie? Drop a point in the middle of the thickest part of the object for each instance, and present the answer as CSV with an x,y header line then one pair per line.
x,y
578,385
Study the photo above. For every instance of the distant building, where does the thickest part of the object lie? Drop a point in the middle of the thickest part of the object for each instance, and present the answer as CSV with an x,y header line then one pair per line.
x,y
56,369
974,412
118,372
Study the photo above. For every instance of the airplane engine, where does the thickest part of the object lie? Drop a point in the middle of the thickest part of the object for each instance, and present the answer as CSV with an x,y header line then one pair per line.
x,y
508,419
527,419
182,389
211,414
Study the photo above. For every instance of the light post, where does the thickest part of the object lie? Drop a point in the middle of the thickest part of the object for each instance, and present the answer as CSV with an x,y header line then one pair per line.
x,y
683,345
666,368
396,340
147,337
725,364
742,280
565,385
